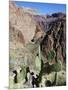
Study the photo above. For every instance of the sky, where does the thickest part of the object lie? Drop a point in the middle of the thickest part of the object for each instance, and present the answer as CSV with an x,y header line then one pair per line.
x,y
43,8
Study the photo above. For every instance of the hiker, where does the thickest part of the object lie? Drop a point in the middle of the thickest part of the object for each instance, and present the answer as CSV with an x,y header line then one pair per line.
x,y
27,74
37,81
15,77
33,79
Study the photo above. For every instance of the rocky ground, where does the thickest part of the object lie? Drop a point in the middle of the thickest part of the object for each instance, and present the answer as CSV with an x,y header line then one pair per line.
x,y
31,34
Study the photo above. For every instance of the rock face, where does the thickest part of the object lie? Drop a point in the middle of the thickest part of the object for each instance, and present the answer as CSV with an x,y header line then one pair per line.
x,y
55,39
22,23
27,32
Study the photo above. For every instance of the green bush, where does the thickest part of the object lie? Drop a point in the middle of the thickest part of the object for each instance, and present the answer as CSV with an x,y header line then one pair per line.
x,y
56,67
51,55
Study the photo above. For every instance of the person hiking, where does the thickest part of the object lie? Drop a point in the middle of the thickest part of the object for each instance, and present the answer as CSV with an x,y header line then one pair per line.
x,y
15,77
37,80
27,71
33,79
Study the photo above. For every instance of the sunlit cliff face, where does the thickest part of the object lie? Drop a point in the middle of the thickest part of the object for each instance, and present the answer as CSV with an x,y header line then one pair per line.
x,y
38,36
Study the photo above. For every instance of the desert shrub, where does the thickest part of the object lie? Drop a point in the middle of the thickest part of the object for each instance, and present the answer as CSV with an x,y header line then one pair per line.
x,y
56,67
51,55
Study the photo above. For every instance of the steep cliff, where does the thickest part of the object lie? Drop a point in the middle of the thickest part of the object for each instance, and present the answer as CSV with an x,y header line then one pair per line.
x,y
55,39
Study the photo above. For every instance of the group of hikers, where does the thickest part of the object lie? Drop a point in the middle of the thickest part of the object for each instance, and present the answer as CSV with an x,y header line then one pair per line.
x,y
30,78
